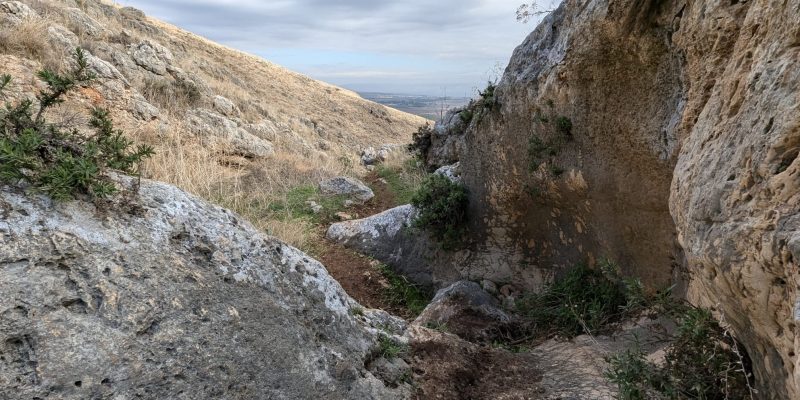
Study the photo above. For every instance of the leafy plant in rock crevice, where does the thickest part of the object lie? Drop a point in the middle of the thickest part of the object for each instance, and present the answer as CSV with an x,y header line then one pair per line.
x,y
442,206
63,163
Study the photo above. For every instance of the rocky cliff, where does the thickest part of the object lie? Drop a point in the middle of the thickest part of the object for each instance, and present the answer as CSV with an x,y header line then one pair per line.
x,y
167,296
660,134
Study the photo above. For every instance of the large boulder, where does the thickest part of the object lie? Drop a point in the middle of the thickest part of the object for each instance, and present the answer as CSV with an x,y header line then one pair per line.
x,y
466,310
83,24
346,186
167,296
216,129
391,238
14,12
151,56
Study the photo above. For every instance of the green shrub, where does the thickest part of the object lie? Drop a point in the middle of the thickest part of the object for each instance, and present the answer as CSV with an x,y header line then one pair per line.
x,y
63,163
701,362
442,206
584,301
466,116
488,98
564,126
421,141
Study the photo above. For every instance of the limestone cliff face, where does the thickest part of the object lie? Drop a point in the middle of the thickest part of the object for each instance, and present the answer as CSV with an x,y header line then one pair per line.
x,y
680,162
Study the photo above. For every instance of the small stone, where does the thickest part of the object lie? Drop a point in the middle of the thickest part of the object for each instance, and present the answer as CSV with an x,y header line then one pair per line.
x,y
343,216
506,290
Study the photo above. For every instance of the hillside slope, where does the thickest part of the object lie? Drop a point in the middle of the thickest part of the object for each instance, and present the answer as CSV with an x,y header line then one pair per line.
x,y
227,126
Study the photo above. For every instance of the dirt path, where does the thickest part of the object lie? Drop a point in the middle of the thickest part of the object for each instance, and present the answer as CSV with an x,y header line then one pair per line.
x,y
357,273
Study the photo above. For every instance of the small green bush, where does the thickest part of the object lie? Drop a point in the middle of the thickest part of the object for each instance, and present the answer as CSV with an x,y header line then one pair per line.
x,y
442,206
421,141
701,362
63,163
466,116
564,126
488,97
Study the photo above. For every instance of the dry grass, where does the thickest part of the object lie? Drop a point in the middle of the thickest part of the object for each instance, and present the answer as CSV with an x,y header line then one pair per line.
x,y
171,95
29,40
308,116
246,187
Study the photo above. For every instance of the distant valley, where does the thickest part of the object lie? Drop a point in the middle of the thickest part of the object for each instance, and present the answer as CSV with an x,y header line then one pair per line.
x,y
430,107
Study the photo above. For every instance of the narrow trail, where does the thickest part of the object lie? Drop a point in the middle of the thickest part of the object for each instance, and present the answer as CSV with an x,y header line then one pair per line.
x,y
443,366
356,272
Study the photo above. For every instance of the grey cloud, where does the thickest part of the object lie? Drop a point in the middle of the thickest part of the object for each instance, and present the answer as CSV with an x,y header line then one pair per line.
x,y
458,34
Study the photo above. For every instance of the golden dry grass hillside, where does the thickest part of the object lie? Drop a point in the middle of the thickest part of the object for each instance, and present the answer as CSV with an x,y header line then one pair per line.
x,y
227,126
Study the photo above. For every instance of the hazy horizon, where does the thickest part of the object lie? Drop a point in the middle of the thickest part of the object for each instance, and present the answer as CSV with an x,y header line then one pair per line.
x,y
401,47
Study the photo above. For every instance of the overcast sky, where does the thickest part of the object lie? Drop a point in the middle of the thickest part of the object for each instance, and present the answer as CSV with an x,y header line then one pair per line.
x,y
398,46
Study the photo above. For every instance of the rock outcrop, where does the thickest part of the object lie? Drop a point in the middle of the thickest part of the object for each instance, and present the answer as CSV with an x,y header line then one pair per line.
x,y
167,296
662,135
346,186
391,238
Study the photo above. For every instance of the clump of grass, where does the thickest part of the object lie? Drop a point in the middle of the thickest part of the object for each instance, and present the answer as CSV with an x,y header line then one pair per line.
x,y
403,293
584,301
404,178
28,39
389,348
63,163
175,95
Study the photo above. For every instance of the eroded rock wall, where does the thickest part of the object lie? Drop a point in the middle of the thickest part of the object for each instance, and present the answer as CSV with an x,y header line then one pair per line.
x,y
680,162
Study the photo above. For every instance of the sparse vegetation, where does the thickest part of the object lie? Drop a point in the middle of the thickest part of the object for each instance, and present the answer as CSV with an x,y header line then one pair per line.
x,y
564,126
488,98
421,141
389,348
28,39
442,206
701,362
466,116
404,293
175,95
63,163
404,177
541,151
585,300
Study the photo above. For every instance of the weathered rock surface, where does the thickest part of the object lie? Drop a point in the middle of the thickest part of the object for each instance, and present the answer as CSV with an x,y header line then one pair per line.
x,y
680,161
217,129
151,56
171,297
466,310
448,143
14,12
451,172
390,238
348,187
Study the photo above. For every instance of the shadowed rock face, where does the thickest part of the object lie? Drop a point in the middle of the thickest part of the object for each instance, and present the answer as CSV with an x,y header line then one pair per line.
x,y
170,298
680,164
